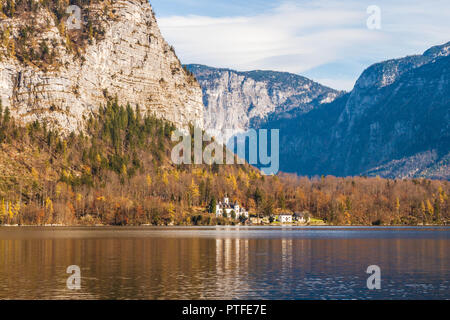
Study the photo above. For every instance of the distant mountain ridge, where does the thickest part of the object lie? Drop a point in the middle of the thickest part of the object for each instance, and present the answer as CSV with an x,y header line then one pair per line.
x,y
394,123
238,101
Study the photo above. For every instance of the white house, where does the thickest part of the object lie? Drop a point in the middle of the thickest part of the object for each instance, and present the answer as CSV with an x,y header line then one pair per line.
x,y
228,208
285,218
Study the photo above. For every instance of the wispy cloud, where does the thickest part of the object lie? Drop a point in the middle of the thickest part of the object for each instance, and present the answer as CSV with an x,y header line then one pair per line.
x,y
326,40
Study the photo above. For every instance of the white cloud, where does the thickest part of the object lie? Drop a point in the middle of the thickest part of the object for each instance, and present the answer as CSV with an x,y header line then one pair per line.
x,y
298,37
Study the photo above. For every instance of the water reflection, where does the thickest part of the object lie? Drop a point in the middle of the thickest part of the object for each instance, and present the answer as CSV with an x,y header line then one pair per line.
x,y
227,263
231,265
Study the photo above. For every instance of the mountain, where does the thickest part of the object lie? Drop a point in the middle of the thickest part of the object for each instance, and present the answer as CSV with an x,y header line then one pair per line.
x,y
238,101
394,123
50,71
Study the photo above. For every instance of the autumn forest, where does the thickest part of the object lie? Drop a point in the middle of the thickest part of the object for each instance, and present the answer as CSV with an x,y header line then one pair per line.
x,y
118,172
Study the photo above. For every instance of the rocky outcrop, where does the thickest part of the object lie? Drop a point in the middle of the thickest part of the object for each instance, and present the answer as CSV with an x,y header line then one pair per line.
x,y
237,101
131,61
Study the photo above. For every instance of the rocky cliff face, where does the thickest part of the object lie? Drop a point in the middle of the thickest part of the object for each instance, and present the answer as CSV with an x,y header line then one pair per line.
x,y
238,101
130,60
394,123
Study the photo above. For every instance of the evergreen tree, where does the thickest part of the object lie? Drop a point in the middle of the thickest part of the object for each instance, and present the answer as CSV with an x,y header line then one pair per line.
x,y
6,117
212,205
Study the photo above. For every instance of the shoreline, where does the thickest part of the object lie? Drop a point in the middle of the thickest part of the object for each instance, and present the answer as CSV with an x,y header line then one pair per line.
x,y
225,226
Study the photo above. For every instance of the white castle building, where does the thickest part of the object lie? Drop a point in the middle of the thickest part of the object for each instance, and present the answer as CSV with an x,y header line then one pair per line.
x,y
228,208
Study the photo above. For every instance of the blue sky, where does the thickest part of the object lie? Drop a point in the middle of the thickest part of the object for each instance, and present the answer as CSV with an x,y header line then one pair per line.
x,y
212,8
326,40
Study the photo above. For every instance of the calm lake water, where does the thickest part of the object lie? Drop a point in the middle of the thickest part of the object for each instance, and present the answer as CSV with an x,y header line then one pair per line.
x,y
225,262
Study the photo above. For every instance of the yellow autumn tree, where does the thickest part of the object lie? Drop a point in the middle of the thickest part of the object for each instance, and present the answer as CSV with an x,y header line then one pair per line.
x,y
198,172
243,177
58,189
35,174
16,209
171,212
10,211
49,208
165,178
124,170
231,179
430,209
194,192
3,211
176,175
397,205
442,195
422,208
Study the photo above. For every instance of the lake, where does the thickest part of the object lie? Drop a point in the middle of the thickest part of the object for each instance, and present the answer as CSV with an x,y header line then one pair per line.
x,y
225,262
